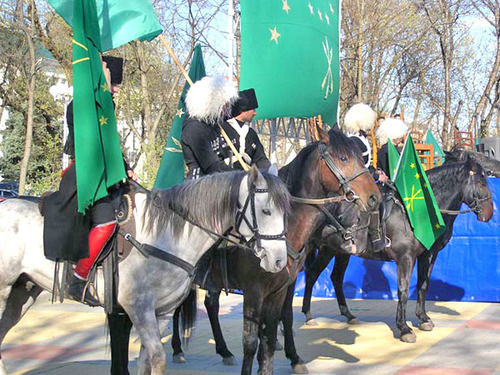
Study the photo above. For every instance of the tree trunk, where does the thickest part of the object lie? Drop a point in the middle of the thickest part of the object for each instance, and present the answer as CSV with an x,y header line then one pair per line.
x,y
31,103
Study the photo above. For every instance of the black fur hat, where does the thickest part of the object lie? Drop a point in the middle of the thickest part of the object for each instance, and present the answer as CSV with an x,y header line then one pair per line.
x,y
115,66
245,102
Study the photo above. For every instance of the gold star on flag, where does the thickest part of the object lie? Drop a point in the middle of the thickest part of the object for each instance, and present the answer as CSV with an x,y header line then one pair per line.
x,y
327,19
103,120
412,165
331,8
274,35
417,176
320,15
311,8
105,87
286,8
437,226
180,112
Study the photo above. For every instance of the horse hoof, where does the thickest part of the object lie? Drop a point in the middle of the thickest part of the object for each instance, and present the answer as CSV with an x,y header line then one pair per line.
x,y
312,322
426,326
278,346
353,321
300,368
179,358
409,338
229,361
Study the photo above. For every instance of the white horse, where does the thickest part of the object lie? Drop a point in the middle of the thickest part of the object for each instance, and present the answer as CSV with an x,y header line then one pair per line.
x,y
173,221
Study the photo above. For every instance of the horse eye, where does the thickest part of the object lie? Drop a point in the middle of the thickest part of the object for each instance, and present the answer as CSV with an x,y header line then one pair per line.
x,y
343,159
266,211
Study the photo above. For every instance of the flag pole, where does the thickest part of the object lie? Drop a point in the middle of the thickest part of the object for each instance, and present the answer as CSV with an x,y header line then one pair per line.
x,y
190,81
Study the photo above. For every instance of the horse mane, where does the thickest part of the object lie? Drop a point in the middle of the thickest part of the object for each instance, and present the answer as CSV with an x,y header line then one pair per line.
x,y
211,201
448,175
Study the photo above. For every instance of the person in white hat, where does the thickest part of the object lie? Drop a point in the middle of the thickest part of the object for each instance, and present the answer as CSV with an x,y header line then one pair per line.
x,y
393,129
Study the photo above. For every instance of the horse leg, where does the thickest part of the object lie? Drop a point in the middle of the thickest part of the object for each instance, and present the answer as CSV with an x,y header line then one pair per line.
x,y
337,277
14,304
425,264
405,266
297,363
212,306
119,330
268,333
252,305
178,354
312,272
152,358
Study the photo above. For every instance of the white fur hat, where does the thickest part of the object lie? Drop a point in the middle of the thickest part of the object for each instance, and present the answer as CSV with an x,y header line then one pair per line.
x,y
391,128
210,99
359,117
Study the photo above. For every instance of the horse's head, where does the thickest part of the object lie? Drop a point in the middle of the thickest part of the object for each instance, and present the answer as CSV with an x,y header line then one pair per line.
x,y
491,166
262,209
342,171
477,195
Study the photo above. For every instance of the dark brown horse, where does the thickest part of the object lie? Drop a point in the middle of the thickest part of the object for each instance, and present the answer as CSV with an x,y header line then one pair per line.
x,y
329,168
452,184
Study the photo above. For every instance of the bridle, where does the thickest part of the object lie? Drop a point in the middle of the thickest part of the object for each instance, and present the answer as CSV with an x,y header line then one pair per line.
x,y
255,242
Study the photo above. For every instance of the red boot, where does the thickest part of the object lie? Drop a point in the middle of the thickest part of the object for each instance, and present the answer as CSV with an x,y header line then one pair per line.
x,y
98,238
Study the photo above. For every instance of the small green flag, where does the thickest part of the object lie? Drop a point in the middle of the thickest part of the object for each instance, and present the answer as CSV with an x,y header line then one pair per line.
x,y
418,198
120,21
438,151
393,156
98,157
290,55
171,171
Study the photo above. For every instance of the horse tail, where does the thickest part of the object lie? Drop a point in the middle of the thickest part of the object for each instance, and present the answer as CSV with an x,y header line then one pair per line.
x,y
188,315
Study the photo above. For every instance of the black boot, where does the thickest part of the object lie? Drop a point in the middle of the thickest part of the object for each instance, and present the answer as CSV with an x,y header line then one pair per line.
x,y
76,289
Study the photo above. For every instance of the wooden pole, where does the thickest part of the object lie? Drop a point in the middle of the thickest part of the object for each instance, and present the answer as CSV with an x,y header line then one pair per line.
x,y
188,79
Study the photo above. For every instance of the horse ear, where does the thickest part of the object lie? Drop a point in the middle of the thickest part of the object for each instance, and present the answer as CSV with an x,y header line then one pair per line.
x,y
255,176
273,169
323,136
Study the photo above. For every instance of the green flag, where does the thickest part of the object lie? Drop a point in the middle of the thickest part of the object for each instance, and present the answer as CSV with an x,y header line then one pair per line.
x,y
393,156
98,157
290,55
171,171
120,21
438,151
418,198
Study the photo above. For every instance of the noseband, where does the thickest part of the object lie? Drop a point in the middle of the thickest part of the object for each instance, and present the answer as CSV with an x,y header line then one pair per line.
x,y
324,152
255,241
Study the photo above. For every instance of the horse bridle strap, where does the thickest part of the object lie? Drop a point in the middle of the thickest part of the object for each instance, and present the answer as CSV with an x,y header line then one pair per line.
x,y
148,250
321,201
343,180
476,208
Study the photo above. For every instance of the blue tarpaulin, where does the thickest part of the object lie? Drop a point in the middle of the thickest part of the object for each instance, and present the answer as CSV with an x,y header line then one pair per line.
x,y
467,269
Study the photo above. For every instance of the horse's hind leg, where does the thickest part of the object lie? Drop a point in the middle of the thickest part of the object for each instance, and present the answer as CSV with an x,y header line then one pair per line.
x,y
425,264
337,277
405,266
14,305
212,306
178,354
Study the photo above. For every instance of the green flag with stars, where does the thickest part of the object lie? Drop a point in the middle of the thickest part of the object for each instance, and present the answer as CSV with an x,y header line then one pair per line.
x,y
393,156
171,171
290,55
418,198
98,157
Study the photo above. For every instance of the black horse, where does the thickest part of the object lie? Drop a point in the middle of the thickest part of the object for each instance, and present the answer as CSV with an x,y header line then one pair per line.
x,y
490,165
320,169
452,184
